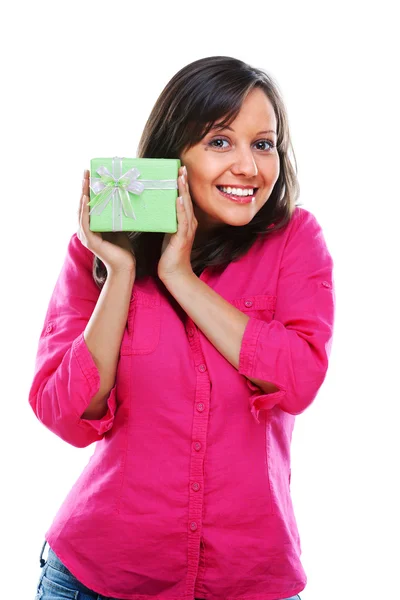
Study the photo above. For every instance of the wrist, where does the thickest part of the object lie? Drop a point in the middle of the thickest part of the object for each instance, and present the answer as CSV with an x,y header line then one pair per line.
x,y
178,277
128,270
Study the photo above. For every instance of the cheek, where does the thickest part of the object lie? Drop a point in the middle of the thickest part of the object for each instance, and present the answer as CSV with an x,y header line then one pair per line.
x,y
195,192
200,186
205,169
275,171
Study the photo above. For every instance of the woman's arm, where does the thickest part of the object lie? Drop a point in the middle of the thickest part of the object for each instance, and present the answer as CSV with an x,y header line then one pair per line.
x,y
103,335
73,391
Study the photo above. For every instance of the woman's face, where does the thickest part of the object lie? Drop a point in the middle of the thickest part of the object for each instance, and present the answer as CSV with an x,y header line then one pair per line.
x,y
241,156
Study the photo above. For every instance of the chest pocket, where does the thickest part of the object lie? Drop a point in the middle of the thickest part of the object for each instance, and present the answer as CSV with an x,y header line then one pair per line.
x,y
142,333
261,306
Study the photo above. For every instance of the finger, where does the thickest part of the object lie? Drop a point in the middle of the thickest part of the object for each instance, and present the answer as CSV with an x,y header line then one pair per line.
x,y
81,203
79,211
186,204
80,232
80,215
189,207
182,218
85,182
184,190
84,217
181,184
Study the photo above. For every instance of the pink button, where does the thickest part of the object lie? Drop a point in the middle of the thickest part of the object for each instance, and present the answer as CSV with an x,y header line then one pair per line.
x,y
195,486
200,407
326,284
193,526
202,368
49,328
190,332
248,303
197,446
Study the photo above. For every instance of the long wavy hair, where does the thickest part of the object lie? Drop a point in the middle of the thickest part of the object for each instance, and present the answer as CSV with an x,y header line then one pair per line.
x,y
200,94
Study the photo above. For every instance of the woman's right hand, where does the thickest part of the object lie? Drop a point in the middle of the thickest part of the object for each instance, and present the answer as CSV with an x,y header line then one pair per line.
x,y
116,254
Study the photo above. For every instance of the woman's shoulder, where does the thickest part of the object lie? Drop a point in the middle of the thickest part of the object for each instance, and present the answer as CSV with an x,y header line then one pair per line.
x,y
301,226
306,224
301,215
300,221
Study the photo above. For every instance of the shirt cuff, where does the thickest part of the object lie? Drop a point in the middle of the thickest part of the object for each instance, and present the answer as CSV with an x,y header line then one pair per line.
x,y
259,400
105,423
91,373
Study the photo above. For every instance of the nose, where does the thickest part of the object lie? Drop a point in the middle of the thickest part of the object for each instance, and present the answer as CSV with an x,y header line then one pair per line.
x,y
244,163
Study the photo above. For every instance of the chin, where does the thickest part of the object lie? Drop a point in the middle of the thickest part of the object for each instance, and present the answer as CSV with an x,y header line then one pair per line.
x,y
241,223
239,220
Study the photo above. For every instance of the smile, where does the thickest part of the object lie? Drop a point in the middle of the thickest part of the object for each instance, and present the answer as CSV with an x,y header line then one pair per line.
x,y
238,195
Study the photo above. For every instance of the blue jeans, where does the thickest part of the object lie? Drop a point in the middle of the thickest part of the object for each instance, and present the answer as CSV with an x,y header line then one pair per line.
x,y
57,582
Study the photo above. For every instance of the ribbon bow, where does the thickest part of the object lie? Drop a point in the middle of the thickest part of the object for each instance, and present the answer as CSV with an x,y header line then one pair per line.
x,y
109,188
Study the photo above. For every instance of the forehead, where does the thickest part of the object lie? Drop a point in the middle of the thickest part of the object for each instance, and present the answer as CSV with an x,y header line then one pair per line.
x,y
256,111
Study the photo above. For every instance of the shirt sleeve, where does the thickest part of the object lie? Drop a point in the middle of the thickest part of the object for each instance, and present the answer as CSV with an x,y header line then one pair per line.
x,y
66,377
292,351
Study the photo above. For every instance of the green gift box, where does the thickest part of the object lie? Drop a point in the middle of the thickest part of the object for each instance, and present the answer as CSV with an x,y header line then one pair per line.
x,y
133,194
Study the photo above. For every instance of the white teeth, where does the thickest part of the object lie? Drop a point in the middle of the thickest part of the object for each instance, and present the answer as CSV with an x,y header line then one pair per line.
x,y
238,191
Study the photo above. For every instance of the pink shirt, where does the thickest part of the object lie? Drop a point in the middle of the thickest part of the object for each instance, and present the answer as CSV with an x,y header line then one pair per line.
x,y
187,493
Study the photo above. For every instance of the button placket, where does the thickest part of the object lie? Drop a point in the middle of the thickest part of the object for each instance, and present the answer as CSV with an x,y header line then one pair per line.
x,y
201,403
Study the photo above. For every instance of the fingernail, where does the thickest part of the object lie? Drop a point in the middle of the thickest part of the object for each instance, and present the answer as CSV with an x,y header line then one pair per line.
x,y
183,179
181,199
184,170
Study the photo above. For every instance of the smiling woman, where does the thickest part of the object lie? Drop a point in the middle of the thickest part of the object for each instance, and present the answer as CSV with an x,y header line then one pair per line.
x,y
186,357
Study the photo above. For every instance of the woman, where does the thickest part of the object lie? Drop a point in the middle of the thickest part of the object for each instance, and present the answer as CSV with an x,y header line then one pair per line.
x,y
186,358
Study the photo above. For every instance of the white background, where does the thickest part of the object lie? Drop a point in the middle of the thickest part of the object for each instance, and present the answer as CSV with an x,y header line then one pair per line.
x,y
78,82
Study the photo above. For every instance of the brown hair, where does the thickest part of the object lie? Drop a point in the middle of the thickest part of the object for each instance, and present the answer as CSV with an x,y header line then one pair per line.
x,y
200,94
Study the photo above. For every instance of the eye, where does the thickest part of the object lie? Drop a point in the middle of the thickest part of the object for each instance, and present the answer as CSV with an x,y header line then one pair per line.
x,y
269,142
216,140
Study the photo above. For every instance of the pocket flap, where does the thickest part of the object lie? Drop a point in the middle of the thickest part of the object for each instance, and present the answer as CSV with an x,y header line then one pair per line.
x,y
258,302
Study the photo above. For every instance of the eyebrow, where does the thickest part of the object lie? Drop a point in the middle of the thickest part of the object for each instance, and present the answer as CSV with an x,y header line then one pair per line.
x,y
230,129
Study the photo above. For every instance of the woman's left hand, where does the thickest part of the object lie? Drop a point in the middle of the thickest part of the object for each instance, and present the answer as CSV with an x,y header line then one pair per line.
x,y
175,258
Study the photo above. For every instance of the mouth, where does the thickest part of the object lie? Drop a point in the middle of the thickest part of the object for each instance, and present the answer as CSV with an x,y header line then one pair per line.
x,y
238,195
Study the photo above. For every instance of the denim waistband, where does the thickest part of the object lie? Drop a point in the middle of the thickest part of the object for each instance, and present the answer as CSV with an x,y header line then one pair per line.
x,y
52,559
